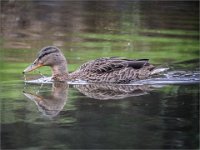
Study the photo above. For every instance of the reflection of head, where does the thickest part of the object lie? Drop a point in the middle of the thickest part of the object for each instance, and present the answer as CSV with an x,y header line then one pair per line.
x,y
112,91
50,103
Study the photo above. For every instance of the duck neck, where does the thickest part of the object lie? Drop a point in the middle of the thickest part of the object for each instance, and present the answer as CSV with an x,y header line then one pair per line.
x,y
59,72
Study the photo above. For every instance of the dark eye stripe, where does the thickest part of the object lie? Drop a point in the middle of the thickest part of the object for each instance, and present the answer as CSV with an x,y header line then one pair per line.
x,y
49,48
46,49
47,53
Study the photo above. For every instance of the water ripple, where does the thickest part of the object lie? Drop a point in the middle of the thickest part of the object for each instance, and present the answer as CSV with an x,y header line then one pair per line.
x,y
173,77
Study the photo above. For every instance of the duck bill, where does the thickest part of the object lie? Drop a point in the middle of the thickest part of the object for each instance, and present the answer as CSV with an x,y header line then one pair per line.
x,y
32,67
32,97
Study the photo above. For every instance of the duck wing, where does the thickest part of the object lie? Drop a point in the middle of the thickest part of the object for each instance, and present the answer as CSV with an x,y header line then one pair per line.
x,y
107,65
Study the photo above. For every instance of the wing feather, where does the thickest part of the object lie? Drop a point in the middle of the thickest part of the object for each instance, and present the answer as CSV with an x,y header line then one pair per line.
x,y
107,65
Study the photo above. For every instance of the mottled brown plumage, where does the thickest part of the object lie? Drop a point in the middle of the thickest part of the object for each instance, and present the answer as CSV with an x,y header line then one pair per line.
x,y
113,70
108,70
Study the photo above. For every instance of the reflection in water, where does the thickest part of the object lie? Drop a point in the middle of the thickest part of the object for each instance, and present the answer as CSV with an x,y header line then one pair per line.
x,y
51,103
112,91
167,118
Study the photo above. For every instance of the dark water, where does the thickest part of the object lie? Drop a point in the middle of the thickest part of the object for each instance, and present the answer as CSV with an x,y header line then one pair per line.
x,y
104,116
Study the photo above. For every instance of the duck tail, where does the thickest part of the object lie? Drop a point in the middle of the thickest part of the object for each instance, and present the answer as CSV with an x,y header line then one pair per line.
x,y
158,70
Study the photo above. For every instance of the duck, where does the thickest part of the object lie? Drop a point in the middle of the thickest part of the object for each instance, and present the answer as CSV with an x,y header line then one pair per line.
x,y
101,70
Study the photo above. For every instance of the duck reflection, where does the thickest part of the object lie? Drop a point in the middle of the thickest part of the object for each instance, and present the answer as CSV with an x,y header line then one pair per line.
x,y
112,91
50,103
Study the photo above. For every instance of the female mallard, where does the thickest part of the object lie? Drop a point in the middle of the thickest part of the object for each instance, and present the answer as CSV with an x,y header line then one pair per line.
x,y
112,69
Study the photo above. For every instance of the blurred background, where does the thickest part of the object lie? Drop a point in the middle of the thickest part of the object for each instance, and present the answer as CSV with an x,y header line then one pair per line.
x,y
165,32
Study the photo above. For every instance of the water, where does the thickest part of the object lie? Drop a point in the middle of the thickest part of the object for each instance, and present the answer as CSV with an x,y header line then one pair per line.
x,y
157,113
170,77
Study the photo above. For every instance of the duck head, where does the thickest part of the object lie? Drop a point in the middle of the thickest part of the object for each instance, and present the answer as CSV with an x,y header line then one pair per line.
x,y
50,56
